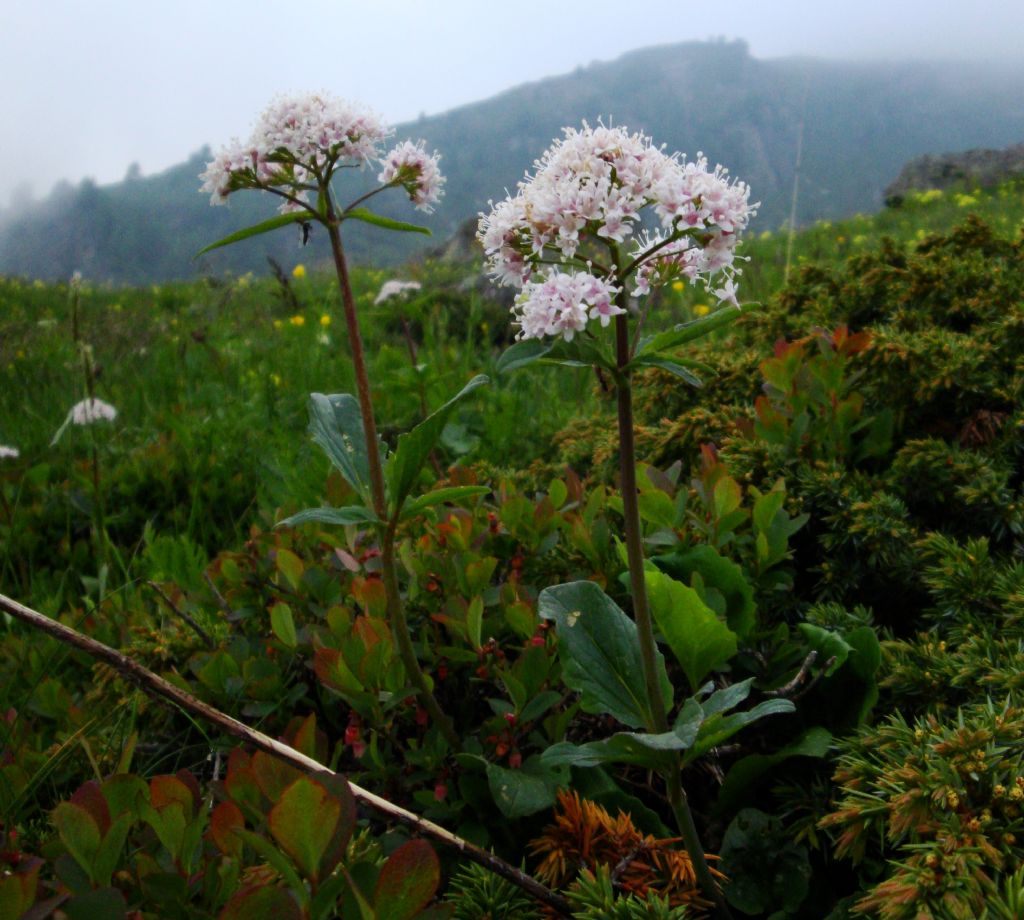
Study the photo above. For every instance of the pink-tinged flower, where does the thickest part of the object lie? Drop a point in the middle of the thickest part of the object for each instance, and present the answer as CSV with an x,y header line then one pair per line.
x,y
562,304
390,289
410,166
9,452
296,139
589,190
91,410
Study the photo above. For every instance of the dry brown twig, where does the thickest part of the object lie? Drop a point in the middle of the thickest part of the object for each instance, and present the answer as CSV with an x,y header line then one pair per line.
x,y
155,686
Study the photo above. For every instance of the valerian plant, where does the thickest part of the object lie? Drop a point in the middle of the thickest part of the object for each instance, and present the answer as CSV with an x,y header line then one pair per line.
x,y
572,240
298,147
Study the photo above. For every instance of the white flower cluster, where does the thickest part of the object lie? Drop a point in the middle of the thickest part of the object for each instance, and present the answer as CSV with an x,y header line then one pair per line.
x,y
297,142
410,166
9,452
562,303
592,185
91,410
390,289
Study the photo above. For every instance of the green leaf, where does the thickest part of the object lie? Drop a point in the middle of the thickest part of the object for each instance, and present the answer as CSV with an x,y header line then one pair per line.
x,y
522,353
827,644
695,329
741,777
719,573
600,651
386,223
283,624
637,748
413,448
525,791
109,852
337,426
440,496
668,363
700,641
79,833
350,514
281,220
407,881
276,859
718,728
303,823
100,904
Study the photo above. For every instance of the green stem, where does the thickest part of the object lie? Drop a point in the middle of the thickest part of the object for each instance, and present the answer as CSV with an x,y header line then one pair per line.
x,y
631,515
400,629
691,840
393,599
641,609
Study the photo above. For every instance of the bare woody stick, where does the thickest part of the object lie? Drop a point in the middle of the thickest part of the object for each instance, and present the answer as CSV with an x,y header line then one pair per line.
x,y
155,686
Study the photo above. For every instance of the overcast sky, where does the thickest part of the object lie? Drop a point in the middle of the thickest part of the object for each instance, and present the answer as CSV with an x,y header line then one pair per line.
x,y
91,87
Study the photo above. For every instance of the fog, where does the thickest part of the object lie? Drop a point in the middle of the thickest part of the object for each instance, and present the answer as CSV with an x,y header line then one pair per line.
x,y
92,89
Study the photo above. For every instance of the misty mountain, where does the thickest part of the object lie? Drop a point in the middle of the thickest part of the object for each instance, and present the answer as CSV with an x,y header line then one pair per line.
x,y
860,123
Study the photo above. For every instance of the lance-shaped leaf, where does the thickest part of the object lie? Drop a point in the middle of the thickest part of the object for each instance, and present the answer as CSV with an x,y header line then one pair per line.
x,y
386,223
281,220
350,514
699,639
689,332
413,448
337,426
670,363
600,651
582,351
440,496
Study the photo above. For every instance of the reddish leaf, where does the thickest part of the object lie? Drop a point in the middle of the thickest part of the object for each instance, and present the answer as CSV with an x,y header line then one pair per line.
x,y
303,823
302,735
90,797
408,881
262,901
225,818
166,790
240,782
370,594
273,775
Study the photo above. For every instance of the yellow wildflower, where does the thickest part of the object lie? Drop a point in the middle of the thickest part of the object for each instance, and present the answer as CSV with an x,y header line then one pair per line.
x,y
275,379
678,285
325,320
701,309
278,324
298,320
299,271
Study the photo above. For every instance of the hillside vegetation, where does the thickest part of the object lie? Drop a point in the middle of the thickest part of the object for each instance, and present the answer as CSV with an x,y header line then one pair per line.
x,y
860,124
844,494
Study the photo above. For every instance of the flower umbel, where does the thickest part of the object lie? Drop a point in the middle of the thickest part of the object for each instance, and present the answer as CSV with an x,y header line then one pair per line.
x,y
410,166
393,288
586,196
91,410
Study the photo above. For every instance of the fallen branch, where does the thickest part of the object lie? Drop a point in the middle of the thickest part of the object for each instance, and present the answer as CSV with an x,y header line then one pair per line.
x,y
157,687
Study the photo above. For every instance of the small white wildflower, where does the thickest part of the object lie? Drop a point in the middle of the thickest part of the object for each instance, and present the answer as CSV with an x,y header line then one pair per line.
x,y
91,410
394,288
9,452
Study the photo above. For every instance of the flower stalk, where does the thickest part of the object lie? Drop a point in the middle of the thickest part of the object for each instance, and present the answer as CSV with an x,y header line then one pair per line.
x,y
395,607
